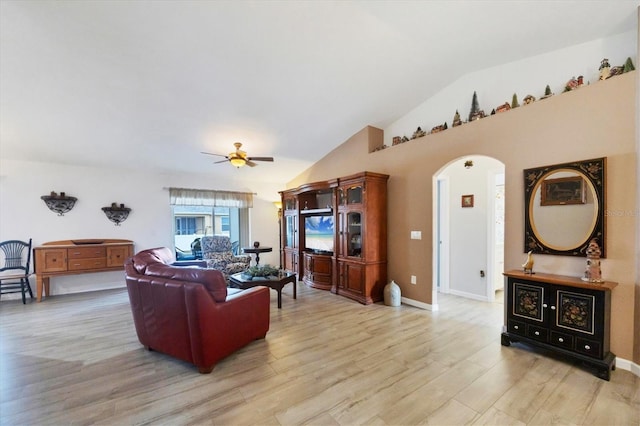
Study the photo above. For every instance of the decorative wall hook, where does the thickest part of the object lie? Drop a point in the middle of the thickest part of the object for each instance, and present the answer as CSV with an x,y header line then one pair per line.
x,y
116,214
59,203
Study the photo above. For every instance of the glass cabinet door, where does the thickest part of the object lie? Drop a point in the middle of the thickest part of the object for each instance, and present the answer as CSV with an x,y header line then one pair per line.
x,y
351,195
290,231
354,234
289,204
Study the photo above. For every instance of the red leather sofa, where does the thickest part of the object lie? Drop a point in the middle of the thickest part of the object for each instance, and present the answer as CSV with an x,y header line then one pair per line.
x,y
189,313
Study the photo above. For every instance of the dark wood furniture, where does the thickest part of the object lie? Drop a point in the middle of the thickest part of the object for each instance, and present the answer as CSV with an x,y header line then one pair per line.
x,y
275,282
563,314
69,257
257,251
357,265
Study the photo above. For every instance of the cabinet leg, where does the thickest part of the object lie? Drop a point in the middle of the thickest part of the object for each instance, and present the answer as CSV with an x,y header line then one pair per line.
x,y
504,340
605,374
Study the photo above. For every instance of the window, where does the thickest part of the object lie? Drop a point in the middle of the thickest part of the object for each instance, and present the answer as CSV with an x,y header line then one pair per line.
x,y
197,213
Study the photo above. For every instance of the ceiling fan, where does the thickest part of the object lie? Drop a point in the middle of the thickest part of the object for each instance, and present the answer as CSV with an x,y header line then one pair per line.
x,y
239,158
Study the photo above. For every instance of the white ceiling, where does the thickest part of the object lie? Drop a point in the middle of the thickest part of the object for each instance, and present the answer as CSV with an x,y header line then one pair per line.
x,y
150,84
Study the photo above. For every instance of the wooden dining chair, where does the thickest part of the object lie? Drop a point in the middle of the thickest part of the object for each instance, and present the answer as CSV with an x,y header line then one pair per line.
x,y
15,258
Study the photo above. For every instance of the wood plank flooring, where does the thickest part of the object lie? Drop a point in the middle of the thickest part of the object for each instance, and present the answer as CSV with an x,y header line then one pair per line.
x,y
75,359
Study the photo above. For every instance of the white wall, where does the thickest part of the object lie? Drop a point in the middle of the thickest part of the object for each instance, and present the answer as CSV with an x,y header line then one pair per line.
x,y
23,214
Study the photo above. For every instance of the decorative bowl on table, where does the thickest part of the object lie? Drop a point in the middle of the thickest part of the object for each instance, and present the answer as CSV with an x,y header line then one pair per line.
x,y
259,271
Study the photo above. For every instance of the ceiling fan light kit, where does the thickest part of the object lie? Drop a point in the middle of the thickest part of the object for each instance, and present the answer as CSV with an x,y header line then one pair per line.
x,y
239,158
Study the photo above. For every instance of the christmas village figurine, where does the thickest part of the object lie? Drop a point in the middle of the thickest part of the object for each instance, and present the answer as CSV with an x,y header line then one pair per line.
x,y
439,128
573,84
502,108
607,71
529,99
476,113
604,69
404,139
418,133
456,120
592,273
527,266
547,92
396,141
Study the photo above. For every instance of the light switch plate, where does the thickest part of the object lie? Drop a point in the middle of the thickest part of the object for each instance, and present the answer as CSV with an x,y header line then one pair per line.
x,y
416,235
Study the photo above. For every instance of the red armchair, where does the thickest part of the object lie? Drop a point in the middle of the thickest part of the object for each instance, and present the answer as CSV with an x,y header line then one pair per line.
x,y
189,313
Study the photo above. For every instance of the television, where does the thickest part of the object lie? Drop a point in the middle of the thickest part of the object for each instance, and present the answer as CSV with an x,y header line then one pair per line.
x,y
318,232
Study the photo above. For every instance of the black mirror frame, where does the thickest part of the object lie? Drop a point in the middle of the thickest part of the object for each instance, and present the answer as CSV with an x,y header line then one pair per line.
x,y
595,171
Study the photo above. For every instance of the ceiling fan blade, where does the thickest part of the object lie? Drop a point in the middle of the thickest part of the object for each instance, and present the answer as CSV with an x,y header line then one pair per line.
x,y
209,153
260,158
221,161
250,163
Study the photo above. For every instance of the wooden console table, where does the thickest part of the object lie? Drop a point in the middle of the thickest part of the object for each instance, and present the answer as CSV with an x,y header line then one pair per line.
x,y
70,257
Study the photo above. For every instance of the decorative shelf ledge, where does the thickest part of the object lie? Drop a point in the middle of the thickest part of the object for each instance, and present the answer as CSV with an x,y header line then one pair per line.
x,y
117,214
60,204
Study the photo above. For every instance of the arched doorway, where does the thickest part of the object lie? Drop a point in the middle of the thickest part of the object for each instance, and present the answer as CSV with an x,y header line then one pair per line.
x,y
468,228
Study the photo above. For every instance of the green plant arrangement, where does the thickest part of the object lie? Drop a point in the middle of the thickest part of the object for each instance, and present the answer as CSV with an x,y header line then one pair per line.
x,y
260,271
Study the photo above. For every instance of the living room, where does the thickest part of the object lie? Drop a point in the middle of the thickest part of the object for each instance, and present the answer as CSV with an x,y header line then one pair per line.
x,y
597,120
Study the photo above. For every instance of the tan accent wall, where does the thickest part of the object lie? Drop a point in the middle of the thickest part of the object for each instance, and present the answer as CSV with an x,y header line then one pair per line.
x,y
598,120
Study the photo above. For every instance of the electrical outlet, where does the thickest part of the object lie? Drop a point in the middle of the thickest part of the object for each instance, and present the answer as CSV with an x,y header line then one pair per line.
x,y
413,279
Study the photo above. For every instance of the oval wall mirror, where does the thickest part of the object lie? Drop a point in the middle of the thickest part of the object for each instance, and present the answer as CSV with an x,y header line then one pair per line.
x,y
564,207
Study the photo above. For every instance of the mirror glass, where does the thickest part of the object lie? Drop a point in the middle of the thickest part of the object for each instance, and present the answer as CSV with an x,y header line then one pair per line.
x,y
564,207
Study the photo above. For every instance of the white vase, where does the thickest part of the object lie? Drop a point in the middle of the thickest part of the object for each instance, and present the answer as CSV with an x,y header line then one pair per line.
x,y
392,294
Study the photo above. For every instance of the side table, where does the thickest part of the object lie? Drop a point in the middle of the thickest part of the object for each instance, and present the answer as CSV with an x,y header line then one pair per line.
x,y
257,252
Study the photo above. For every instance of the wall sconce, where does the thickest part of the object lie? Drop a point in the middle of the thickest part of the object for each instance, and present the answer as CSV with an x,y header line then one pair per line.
x,y
59,203
468,164
116,214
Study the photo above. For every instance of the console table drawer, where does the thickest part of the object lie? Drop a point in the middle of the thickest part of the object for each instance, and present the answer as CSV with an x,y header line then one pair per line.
x,y
538,333
86,252
561,339
82,264
588,347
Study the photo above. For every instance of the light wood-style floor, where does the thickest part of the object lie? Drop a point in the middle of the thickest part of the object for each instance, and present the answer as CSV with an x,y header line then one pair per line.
x,y
75,359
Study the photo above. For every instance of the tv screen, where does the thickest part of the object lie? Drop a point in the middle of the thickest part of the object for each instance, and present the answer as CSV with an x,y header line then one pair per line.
x,y
318,231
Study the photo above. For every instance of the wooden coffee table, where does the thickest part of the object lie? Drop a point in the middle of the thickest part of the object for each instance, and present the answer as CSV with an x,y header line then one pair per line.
x,y
276,282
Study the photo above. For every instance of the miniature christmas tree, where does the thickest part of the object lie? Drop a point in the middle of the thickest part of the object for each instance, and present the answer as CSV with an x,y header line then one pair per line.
x,y
628,65
476,113
547,91
456,119
514,101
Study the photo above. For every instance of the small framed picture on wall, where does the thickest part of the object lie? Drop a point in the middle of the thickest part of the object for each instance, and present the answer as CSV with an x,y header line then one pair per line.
x,y
467,200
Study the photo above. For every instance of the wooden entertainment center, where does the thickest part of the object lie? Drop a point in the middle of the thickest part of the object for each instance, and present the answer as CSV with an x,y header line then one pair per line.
x,y
334,235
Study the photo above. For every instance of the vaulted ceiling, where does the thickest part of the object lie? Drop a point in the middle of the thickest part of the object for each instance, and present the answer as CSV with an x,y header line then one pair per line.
x,y
150,84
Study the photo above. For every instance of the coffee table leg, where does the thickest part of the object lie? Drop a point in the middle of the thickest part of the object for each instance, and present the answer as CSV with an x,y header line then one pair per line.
x,y
293,283
279,290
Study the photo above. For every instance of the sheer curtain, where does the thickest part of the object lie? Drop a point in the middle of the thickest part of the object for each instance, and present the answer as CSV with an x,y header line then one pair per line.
x,y
206,197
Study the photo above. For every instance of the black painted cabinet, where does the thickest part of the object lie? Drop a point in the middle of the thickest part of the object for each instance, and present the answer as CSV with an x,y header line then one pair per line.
x,y
563,314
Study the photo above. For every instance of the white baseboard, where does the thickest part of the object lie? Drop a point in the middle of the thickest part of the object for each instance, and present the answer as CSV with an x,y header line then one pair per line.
x,y
469,295
418,304
625,364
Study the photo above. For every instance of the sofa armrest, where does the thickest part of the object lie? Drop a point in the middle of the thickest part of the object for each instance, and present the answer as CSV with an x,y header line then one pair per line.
x,y
219,328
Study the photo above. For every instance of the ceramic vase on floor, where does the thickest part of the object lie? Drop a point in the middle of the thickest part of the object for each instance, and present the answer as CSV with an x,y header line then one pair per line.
x,y
392,294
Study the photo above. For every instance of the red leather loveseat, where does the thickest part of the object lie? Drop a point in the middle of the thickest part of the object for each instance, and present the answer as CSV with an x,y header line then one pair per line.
x,y
189,313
